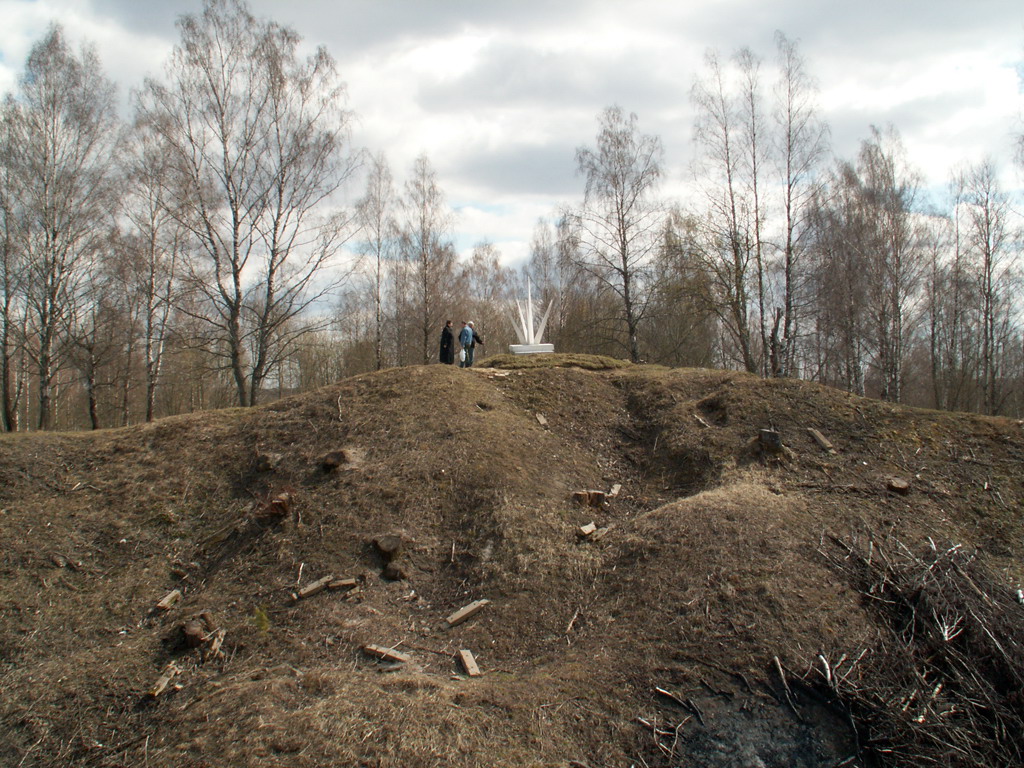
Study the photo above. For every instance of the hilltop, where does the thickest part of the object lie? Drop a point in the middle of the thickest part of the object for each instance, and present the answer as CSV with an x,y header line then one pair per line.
x,y
746,595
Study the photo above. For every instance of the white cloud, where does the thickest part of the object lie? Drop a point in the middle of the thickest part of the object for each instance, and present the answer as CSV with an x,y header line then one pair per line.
x,y
499,95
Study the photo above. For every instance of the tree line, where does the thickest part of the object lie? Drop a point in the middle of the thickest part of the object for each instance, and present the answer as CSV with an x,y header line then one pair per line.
x,y
200,255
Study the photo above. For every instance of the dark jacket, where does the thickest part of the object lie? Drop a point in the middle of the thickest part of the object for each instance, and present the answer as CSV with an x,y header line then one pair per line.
x,y
447,355
477,338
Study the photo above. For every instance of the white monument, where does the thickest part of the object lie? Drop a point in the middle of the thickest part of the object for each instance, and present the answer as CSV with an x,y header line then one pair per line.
x,y
529,339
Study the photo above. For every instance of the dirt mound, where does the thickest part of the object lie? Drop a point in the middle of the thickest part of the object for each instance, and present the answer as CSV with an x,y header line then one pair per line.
x,y
668,567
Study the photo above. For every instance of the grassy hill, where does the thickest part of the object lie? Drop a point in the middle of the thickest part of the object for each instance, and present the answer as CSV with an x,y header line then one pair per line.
x,y
739,603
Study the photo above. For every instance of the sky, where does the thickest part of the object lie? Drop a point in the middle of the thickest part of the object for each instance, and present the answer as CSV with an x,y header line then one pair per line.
x,y
499,94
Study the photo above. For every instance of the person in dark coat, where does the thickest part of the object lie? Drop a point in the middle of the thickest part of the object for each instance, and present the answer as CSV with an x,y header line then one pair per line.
x,y
447,355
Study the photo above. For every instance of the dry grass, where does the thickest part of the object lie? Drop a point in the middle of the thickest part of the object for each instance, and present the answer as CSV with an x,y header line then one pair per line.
x,y
709,567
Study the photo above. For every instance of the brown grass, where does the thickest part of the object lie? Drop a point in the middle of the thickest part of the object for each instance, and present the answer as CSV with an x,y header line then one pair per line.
x,y
710,567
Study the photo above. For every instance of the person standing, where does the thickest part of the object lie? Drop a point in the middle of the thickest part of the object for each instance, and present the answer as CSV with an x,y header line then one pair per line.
x,y
477,338
447,355
467,341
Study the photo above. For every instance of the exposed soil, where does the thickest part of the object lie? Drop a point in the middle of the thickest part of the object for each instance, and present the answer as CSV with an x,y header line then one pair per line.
x,y
715,618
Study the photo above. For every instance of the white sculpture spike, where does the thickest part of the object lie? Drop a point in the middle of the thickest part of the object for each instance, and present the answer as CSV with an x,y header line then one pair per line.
x,y
529,337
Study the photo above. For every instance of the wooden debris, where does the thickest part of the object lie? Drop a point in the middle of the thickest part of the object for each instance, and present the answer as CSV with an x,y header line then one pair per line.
x,y
590,498
821,440
385,654
342,584
586,530
311,589
169,600
898,485
466,612
541,420
212,650
701,421
171,671
616,489
600,533
469,663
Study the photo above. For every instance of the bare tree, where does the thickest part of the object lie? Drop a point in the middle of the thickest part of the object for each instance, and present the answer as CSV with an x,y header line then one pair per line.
x,y
839,288
153,249
725,238
753,153
10,289
257,137
801,146
871,257
92,333
990,240
949,297
685,325
63,129
619,225
487,288
429,254
378,244
894,258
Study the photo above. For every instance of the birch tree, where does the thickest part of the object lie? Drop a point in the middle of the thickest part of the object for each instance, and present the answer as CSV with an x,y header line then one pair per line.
x,y
258,138
724,235
801,144
428,253
62,133
618,228
378,242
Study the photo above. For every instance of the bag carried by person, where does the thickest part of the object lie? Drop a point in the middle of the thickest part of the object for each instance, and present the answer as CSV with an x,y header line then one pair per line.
x,y
462,355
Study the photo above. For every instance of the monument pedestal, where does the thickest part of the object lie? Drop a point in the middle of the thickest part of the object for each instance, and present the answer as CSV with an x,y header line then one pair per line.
x,y
530,349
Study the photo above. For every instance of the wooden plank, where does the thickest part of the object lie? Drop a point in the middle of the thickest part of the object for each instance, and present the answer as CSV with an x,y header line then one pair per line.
x,y
466,612
212,650
385,654
616,489
311,589
169,673
342,584
822,441
168,600
469,663
589,528
541,420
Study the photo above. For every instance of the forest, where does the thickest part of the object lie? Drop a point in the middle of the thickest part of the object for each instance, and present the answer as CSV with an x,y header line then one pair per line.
x,y
196,253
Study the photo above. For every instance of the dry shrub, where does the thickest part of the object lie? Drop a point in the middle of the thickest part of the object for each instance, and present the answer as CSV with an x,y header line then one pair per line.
x,y
942,685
